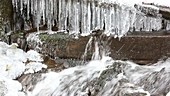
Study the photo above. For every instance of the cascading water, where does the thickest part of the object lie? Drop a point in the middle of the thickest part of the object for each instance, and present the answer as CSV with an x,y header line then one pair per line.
x,y
103,76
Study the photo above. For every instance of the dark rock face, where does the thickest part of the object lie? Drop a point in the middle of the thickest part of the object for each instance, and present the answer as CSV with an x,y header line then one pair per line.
x,y
142,49
6,19
62,45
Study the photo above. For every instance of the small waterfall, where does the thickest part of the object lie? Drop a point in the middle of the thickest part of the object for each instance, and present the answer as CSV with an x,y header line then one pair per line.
x,y
87,49
103,76
97,47
84,16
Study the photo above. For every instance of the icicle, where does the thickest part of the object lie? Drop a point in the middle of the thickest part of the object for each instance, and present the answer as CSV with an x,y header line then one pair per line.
x,y
112,19
85,16
54,12
117,20
124,21
21,6
88,18
132,13
60,16
98,18
28,8
157,23
101,17
16,5
76,27
50,14
93,10
107,19
13,2
69,14
42,6
65,14
167,25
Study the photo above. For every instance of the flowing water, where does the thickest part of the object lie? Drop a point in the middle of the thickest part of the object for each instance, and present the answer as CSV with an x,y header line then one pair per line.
x,y
103,76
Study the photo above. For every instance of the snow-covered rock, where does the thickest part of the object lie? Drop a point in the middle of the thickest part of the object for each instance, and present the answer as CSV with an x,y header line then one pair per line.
x,y
13,61
33,67
34,56
10,87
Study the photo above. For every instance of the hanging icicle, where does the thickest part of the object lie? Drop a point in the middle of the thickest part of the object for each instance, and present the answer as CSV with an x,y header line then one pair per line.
x,y
84,16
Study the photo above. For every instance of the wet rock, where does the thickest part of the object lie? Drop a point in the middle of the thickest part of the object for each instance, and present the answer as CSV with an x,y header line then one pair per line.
x,y
29,81
50,62
139,47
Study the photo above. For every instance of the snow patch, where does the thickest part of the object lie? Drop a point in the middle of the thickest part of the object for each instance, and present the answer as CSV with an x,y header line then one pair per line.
x,y
13,61
10,87
33,67
34,56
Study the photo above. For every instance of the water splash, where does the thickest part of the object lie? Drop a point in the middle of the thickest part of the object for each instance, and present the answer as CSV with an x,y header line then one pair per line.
x,y
106,77
103,76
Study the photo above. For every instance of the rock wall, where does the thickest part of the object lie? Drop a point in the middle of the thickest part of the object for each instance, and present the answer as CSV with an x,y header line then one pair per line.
x,y
140,48
6,18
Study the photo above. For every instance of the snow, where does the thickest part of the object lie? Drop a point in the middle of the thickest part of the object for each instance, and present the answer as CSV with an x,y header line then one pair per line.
x,y
15,53
10,87
13,60
168,94
158,2
14,63
132,2
34,56
33,67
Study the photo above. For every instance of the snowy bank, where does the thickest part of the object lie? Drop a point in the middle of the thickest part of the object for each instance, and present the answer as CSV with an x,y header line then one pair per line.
x,y
14,63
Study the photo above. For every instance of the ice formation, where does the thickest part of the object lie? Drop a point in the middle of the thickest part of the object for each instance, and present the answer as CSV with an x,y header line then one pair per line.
x,y
116,17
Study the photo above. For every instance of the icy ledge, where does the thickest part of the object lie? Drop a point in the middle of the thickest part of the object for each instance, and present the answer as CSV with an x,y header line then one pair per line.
x,y
115,17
